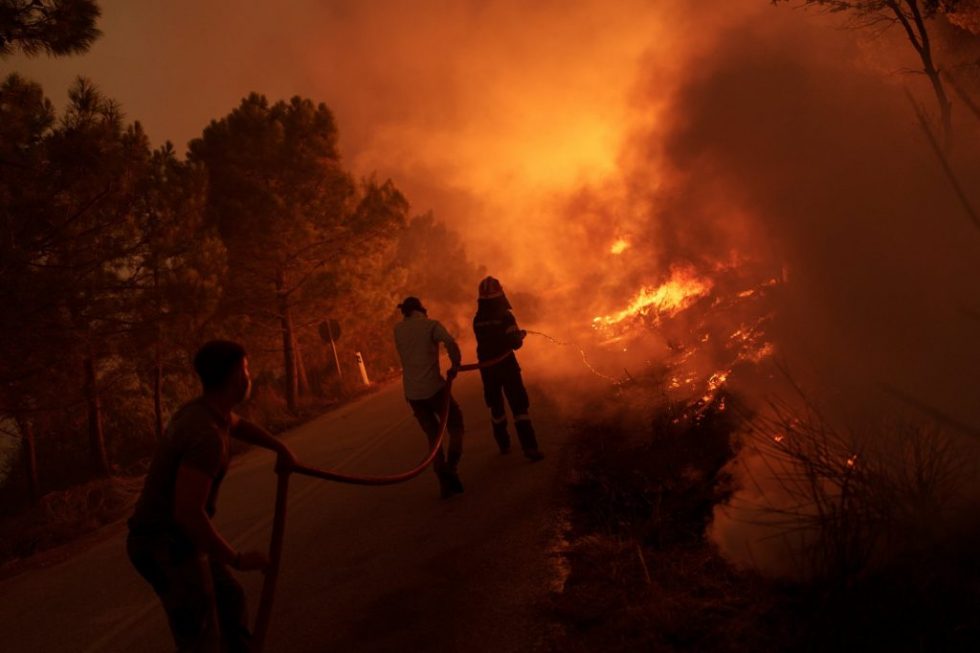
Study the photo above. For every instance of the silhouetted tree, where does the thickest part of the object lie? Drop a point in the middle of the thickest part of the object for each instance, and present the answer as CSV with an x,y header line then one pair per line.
x,y
70,238
286,211
178,270
97,164
437,268
26,119
912,16
55,27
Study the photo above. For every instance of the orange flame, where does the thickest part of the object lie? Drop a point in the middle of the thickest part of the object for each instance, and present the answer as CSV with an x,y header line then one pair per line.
x,y
619,246
680,291
715,382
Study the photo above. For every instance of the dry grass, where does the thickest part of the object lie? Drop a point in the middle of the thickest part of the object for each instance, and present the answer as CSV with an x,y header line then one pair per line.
x,y
62,516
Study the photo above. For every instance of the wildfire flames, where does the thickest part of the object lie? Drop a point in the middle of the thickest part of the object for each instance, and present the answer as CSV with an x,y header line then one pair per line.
x,y
727,329
680,291
619,246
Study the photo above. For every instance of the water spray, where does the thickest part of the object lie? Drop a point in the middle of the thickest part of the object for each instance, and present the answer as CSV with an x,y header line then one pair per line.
x,y
585,358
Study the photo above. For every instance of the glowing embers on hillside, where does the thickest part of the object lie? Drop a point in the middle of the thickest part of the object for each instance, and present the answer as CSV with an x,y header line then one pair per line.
x,y
680,291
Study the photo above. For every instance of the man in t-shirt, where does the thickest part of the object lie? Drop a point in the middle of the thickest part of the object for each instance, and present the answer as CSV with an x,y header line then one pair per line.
x,y
172,542
417,339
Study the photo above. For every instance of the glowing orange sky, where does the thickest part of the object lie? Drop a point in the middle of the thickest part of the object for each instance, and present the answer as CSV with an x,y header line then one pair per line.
x,y
483,110
487,96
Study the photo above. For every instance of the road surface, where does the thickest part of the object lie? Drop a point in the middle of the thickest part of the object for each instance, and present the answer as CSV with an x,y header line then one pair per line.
x,y
363,569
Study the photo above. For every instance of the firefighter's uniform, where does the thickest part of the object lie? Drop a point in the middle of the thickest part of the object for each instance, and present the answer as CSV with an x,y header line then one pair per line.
x,y
497,334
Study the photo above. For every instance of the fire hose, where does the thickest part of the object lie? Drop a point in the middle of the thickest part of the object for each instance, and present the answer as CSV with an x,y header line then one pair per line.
x,y
282,491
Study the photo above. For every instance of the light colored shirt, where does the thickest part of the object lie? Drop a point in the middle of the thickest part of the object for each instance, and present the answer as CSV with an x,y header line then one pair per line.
x,y
417,339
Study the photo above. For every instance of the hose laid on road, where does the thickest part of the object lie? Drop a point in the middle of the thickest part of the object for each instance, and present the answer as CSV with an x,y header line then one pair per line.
x,y
282,491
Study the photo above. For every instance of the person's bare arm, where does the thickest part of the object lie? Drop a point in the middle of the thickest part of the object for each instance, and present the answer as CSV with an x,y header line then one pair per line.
x,y
246,431
190,498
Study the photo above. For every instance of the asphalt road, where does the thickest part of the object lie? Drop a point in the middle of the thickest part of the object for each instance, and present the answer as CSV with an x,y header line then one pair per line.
x,y
363,569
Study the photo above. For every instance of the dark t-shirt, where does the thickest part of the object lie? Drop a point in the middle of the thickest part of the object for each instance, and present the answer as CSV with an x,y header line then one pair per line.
x,y
197,436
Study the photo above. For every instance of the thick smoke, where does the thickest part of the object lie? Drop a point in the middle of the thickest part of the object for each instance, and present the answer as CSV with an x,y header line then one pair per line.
x,y
790,142
792,123
717,133
778,143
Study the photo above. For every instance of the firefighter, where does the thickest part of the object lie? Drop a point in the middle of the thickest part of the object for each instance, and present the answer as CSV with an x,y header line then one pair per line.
x,y
497,334
417,339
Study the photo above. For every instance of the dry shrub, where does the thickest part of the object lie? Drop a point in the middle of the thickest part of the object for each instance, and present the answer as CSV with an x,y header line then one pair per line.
x,y
63,515
850,501
878,525
642,576
267,407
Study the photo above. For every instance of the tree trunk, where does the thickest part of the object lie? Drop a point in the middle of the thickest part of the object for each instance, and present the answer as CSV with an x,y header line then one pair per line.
x,y
304,380
158,390
918,35
288,353
157,360
29,458
96,434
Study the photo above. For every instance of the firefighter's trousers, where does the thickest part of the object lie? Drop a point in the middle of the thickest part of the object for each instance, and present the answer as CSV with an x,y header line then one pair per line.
x,y
504,380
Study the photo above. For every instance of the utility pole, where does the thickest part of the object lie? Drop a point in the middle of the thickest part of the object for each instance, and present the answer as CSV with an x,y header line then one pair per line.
x,y
330,332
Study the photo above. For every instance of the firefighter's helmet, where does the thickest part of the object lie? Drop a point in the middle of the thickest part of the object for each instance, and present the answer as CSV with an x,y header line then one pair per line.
x,y
490,288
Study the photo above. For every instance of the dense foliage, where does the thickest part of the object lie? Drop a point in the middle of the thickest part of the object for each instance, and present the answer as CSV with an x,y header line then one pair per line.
x,y
118,260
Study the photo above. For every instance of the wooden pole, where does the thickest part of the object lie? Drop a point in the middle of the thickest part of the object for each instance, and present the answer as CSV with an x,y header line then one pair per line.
x,y
336,358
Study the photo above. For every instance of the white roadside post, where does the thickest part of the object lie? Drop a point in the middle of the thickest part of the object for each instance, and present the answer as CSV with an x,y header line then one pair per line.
x,y
360,366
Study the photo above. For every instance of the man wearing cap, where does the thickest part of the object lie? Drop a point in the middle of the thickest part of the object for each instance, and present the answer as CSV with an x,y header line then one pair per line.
x,y
417,339
497,335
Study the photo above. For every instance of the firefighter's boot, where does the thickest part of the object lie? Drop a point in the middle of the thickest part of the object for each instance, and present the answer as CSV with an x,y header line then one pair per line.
x,y
500,434
445,484
452,475
441,469
529,443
